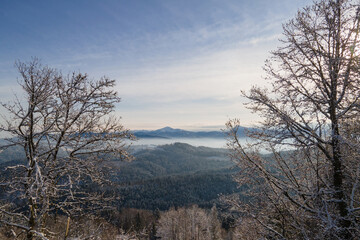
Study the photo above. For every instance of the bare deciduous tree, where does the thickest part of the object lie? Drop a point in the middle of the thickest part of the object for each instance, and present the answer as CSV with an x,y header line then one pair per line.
x,y
65,129
312,190
188,223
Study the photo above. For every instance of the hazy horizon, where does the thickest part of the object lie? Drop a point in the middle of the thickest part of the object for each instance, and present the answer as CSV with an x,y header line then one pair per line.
x,y
187,128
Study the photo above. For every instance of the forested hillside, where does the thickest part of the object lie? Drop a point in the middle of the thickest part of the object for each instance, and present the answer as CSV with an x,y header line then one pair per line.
x,y
165,176
178,158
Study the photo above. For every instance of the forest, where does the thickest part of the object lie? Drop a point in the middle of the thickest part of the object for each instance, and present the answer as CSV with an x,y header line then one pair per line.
x,y
158,180
167,176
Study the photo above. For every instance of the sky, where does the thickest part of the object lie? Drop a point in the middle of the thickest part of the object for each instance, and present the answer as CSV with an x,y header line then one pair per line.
x,y
177,63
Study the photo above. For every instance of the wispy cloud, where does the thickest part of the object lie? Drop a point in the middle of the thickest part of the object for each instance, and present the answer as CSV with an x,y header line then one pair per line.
x,y
178,63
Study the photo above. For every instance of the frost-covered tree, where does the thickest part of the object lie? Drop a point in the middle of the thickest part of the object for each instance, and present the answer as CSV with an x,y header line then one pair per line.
x,y
187,223
215,225
64,126
312,109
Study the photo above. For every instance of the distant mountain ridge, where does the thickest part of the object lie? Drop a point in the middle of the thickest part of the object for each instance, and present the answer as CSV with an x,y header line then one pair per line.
x,y
168,132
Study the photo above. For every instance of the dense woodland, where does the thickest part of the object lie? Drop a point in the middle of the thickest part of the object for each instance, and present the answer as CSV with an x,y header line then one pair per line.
x,y
163,177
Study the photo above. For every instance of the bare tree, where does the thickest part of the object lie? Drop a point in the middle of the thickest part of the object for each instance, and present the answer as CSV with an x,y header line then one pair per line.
x,y
310,191
188,223
215,225
65,128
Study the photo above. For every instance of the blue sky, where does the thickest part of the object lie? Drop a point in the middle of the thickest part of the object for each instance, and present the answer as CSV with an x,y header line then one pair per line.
x,y
177,63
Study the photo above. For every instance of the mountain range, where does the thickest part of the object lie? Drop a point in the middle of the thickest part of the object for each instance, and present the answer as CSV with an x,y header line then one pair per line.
x,y
168,132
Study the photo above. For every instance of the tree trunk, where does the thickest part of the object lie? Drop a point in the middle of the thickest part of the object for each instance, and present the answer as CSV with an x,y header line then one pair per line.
x,y
30,233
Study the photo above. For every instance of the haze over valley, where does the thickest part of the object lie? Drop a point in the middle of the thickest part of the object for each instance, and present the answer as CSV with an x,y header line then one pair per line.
x,y
168,135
